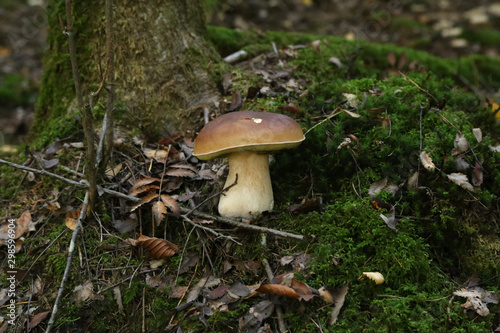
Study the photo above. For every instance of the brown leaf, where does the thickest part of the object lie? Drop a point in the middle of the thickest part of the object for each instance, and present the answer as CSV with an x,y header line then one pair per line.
x,y
144,200
181,173
71,219
171,203
302,290
171,184
278,289
144,189
159,210
427,161
159,248
112,172
143,181
22,223
37,319
339,297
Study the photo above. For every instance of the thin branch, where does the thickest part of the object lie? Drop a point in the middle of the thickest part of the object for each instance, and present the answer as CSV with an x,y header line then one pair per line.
x,y
68,262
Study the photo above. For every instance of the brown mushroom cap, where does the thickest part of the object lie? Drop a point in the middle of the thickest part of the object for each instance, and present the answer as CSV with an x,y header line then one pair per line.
x,y
249,131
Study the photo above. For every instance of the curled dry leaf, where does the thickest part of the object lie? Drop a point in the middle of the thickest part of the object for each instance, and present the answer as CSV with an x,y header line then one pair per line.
x,y
375,276
339,297
278,289
461,180
427,161
159,248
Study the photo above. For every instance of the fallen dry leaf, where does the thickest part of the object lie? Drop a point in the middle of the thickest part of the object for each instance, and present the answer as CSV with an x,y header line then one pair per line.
x,y
460,144
278,289
171,204
37,319
478,299
427,161
112,172
23,223
143,181
71,219
339,297
159,210
375,276
478,134
145,200
85,292
461,180
255,316
158,248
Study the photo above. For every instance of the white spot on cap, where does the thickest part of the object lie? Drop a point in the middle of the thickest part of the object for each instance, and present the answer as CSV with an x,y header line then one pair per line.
x,y
257,120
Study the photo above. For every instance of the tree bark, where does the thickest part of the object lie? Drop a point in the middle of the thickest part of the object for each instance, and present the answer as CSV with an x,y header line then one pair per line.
x,y
164,68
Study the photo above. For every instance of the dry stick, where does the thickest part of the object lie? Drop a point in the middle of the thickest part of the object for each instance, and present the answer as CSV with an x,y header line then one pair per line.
x,y
68,262
84,185
279,311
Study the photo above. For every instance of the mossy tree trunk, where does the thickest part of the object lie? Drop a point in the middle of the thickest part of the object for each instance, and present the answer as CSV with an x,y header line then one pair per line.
x,y
164,67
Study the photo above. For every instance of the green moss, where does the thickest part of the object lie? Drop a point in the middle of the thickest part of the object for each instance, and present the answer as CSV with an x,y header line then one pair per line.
x,y
485,37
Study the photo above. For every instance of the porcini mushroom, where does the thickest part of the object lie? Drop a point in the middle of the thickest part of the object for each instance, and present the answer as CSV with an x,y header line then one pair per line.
x,y
246,138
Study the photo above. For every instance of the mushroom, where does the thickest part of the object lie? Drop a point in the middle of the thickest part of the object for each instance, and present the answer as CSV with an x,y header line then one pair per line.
x,y
246,138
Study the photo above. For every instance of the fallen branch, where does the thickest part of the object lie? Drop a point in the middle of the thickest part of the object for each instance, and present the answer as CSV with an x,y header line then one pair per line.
x,y
68,262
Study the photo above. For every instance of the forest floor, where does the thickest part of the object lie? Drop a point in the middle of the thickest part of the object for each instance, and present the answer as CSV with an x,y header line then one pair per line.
x,y
391,206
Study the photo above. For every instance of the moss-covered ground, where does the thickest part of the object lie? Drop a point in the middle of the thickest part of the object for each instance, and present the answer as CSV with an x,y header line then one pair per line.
x,y
445,233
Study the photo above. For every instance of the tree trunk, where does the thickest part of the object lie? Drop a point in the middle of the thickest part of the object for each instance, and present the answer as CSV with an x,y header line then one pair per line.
x,y
163,66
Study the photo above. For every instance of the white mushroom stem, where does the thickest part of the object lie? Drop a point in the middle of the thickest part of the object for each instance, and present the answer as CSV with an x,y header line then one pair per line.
x,y
253,192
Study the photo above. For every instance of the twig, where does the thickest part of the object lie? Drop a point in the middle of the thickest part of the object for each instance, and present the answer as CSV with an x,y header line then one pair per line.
x,y
210,230
212,196
333,114
68,262
279,311
241,225
420,88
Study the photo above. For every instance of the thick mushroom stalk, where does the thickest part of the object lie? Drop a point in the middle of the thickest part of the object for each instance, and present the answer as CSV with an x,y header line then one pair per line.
x,y
253,193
